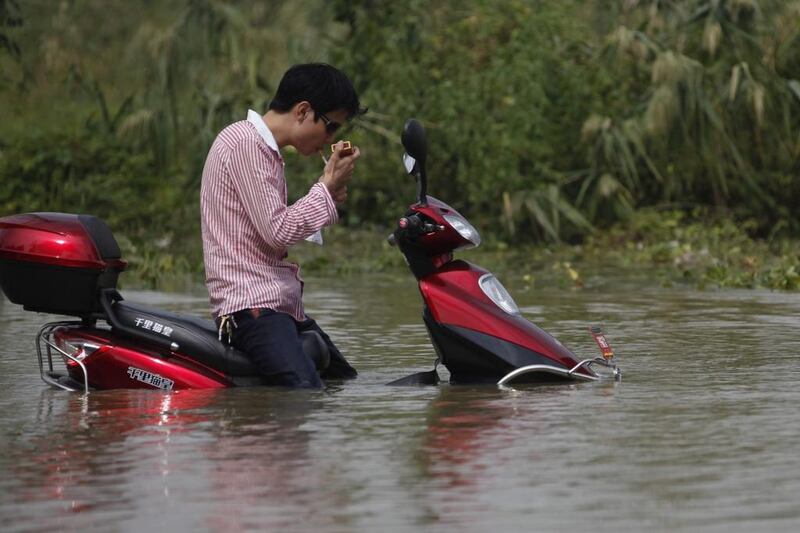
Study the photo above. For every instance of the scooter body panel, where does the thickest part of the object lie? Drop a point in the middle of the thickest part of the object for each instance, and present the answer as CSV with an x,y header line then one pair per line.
x,y
119,364
476,336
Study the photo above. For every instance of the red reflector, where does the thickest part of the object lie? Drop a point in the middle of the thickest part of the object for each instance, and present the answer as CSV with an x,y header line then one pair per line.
x,y
600,339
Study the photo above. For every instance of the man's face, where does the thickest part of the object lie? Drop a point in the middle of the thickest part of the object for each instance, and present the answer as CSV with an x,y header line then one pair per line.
x,y
313,136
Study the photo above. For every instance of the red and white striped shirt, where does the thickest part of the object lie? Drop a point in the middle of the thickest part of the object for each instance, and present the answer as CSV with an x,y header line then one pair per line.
x,y
247,225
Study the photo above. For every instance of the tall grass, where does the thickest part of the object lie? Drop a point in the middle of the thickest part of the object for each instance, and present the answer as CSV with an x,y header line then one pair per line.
x,y
547,120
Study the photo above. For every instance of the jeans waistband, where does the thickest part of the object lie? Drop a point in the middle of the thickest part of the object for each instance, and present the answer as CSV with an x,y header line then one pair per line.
x,y
253,312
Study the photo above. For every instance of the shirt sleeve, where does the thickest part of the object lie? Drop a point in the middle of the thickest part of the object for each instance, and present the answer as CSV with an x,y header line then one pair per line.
x,y
259,182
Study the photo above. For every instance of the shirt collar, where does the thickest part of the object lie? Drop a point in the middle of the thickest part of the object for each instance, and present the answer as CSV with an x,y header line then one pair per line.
x,y
256,120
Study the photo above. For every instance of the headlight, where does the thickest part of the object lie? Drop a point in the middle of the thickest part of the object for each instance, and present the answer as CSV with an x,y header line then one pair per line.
x,y
495,291
464,229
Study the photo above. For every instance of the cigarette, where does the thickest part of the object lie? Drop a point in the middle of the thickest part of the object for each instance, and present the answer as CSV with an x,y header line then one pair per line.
x,y
323,157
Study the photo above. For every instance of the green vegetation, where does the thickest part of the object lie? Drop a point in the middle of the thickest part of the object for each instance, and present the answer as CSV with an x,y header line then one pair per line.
x,y
699,248
663,133
667,247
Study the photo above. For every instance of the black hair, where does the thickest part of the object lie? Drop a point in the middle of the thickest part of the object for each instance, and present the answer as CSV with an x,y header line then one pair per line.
x,y
325,87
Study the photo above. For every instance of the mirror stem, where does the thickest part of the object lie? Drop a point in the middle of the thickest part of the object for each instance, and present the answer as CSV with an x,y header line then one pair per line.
x,y
422,187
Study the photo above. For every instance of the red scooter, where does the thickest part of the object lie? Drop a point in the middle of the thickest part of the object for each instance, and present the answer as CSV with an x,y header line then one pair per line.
x,y
68,264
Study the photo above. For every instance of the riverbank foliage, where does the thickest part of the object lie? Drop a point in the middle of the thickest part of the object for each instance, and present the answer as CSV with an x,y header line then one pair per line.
x,y
550,122
669,247
699,248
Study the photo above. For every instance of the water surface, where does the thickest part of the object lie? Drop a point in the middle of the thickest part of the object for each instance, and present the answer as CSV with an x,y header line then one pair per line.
x,y
701,435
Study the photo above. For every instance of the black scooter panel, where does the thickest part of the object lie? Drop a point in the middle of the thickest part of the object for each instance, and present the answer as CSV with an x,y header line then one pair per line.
x,y
475,357
195,337
199,339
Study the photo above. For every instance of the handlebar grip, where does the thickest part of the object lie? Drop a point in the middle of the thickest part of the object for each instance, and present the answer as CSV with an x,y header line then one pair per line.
x,y
411,222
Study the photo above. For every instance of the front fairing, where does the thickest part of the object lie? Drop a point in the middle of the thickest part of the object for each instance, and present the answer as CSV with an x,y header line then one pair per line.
x,y
459,308
448,239
430,244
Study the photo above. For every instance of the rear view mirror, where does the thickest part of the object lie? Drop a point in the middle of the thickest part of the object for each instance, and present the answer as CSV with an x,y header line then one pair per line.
x,y
414,140
416,144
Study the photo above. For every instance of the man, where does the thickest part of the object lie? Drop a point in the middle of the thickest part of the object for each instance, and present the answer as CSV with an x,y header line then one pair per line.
x,y
256,295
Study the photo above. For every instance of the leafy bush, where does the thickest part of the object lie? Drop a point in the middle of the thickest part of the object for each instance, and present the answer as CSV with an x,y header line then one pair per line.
x,y
150,213
559,116
700,247
547,120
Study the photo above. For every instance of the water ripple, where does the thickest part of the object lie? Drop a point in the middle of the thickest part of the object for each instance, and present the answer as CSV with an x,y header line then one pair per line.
x,y
699,436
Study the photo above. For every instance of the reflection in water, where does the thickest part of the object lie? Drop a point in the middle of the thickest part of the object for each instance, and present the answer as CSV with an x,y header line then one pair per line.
x,y
244,454
489,454
700,435
260,459
462,425
82,451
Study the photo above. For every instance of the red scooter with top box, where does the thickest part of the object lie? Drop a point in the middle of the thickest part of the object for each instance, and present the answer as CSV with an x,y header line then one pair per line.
x,y
68,264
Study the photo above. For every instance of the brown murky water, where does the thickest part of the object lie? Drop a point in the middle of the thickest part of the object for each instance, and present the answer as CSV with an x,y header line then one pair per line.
x,y
701,435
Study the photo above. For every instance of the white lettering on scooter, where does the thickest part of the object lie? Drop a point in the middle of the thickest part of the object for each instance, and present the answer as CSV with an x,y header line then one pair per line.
x,y
159,382
155,327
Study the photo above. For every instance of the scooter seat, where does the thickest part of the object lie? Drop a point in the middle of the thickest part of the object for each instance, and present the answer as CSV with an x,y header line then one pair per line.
x,y
198,338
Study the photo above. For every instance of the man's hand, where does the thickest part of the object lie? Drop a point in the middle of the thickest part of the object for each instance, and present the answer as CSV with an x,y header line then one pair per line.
x,y
338,172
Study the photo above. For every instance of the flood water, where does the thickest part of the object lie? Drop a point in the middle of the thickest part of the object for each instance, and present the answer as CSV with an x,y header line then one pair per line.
x,y
702,433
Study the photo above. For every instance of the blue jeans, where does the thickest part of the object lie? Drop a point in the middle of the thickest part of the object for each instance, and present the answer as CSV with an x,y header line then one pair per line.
x,y
272,342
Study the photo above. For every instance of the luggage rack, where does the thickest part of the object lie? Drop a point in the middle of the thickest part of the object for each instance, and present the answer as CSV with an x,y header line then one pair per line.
x,y
49,375
572,373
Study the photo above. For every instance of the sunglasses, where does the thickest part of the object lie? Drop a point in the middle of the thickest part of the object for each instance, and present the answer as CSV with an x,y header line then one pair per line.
x,y
330,125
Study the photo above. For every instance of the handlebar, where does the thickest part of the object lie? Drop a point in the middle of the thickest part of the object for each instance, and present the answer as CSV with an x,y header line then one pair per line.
x,y
413,226
416,226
